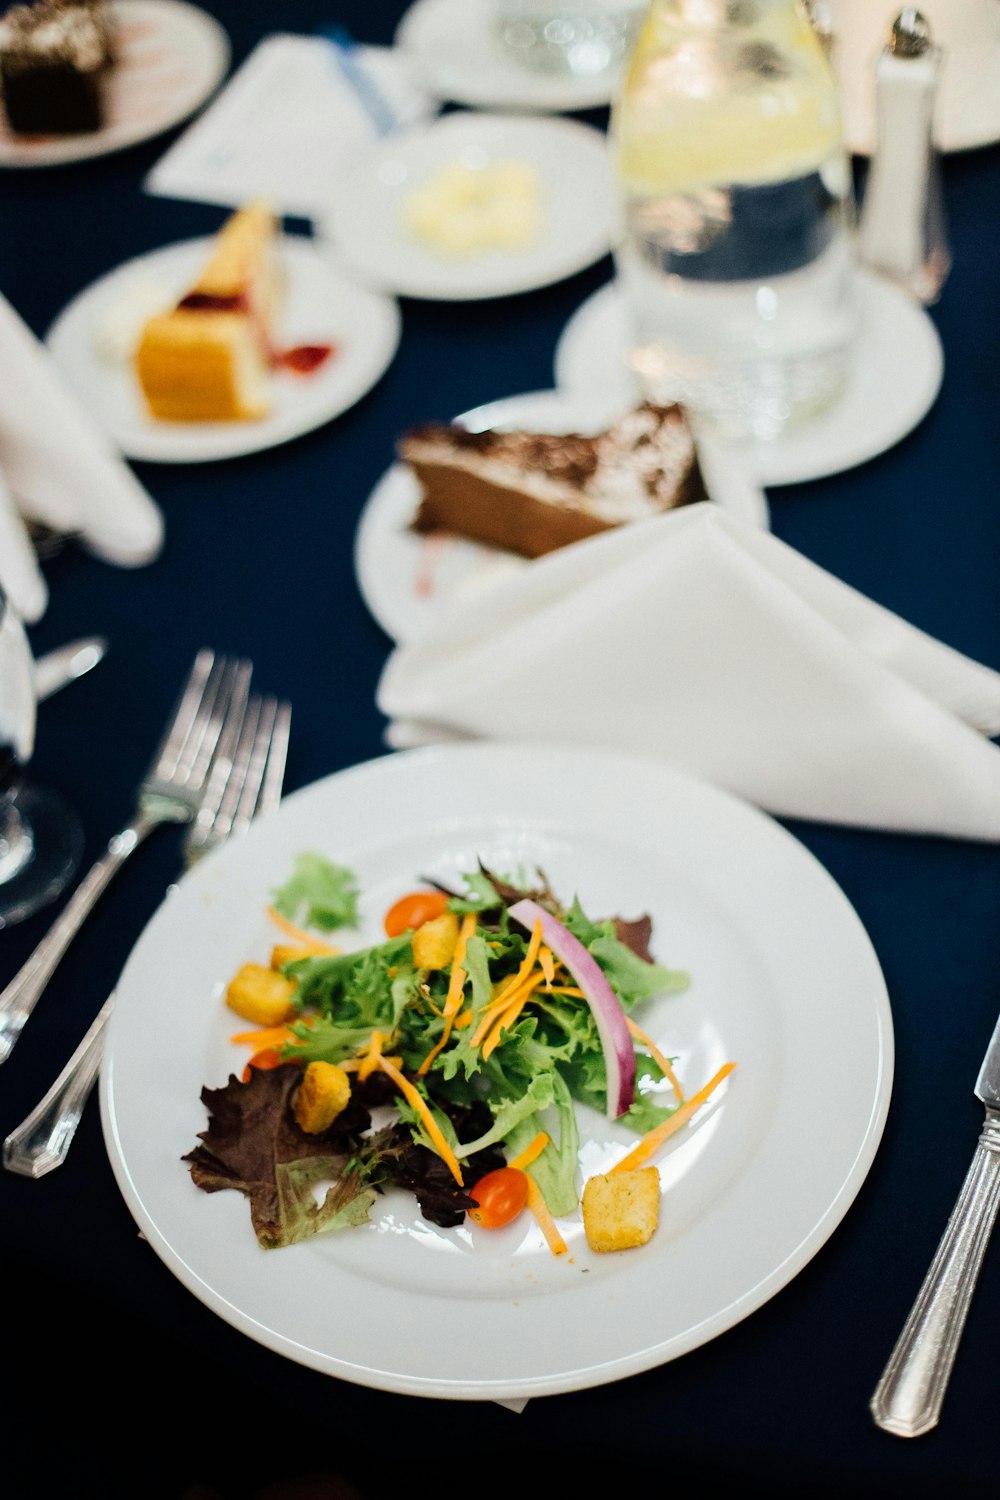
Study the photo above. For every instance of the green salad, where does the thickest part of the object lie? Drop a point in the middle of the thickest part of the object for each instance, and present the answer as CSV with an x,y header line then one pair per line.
x,y
459,1046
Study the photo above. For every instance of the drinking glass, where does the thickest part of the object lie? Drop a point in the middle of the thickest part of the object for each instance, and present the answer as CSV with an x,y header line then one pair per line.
x,y
40,836
586,38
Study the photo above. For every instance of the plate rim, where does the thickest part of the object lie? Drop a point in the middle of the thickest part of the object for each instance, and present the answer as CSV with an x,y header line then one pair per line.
x,y
556,102
244,438
90,147
759,457
866,1140
421,290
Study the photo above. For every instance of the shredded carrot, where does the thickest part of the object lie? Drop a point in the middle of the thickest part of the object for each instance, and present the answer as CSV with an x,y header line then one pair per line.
x,y
547,964
568,989
315,945
531,1152
657,1055
463,1019
506,1019
456,989
544,1219
414,1098
652,1142
270,1036
368,1060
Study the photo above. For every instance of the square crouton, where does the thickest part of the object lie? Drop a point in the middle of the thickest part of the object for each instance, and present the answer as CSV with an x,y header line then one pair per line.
x,y
622,1209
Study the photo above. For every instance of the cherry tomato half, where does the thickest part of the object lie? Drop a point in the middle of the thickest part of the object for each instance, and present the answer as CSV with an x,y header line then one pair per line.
x,y
500,1196
413,911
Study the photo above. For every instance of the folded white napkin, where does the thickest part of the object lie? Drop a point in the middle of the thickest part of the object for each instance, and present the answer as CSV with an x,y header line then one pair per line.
x,y
300,111
59,469
701,638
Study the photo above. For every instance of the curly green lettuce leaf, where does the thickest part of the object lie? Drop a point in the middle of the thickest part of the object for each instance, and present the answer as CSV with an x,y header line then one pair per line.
x,y
318,894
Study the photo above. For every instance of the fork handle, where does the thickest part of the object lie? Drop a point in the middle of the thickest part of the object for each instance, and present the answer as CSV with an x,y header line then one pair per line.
x,y
42,1141
909,1397
26,988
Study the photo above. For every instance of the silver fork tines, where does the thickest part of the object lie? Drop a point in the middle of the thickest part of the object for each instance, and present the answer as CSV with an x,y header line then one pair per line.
x,y
170,792
252,748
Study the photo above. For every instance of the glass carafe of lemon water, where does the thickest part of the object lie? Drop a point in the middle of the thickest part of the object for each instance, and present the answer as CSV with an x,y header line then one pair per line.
x,y
735,238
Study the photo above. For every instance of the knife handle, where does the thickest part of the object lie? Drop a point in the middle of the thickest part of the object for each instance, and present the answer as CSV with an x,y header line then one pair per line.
x,y
908,1399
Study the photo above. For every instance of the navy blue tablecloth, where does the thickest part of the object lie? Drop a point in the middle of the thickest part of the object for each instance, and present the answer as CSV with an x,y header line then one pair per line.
x,y
116,1380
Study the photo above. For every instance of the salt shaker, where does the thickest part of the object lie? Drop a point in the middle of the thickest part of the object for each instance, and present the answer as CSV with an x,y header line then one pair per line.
x,y
902,231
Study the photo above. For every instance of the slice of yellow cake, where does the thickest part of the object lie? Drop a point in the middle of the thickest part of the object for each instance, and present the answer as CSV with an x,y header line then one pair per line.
x,y
209,360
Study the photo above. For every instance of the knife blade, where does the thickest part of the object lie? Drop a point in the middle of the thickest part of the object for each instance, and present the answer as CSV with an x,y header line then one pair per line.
x,y
907,1400
987,1088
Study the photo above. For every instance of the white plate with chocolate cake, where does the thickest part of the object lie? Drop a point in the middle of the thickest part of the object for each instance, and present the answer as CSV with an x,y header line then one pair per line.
x,y
213,348
83,78
471,500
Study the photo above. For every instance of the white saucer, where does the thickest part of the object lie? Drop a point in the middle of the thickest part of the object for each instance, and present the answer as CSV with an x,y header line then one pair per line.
x,y
369,240
452,53
321,307
406,579
172,58
895,377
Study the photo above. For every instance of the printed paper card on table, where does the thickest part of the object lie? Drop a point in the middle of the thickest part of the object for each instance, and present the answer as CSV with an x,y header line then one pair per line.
x,y
300,111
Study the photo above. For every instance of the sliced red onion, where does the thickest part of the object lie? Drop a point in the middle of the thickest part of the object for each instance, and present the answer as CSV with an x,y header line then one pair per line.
x,y
616,1039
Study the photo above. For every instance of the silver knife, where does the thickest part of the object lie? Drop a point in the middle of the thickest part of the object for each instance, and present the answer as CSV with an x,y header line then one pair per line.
x,y
908,1398
66,664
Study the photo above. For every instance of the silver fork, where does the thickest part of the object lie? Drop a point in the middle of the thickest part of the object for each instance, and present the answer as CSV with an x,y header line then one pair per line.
x,y
248,785
170,793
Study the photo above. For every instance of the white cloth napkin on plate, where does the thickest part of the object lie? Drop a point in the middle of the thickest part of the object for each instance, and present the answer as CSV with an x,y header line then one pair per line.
x,y
706,640
58,469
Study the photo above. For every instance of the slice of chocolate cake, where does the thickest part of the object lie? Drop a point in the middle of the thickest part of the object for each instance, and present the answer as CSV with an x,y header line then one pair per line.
x,y
55,57
533,492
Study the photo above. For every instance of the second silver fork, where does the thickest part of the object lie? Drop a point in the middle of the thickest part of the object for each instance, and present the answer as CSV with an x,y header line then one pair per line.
x,y
246,783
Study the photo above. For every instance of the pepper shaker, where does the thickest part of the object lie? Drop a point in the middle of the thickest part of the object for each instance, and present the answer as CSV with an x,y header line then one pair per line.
x,y
902,231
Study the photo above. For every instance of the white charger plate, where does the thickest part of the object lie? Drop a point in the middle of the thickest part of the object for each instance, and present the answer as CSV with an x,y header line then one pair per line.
x,y
321,306
368,238
406,579
896,372
452,52
172,58
784,982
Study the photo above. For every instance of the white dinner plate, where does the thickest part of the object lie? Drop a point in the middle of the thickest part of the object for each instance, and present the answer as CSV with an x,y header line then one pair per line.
x,y
321,306
406,579
897,365
784,982
452,53
369,238
172,58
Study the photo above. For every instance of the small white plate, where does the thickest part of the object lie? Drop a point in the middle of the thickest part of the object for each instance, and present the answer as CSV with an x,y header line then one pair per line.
x,y
368,238
406,579
784,981
321,307
172,58
896,373
453,53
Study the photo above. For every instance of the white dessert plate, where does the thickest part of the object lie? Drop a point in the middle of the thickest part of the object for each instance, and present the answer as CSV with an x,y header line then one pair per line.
x,y
452,53
173,56
368,236
406,579
896,373
89,339
784,982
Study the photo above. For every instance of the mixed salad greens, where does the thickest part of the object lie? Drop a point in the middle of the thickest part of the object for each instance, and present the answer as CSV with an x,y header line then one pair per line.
x,y
483,1019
